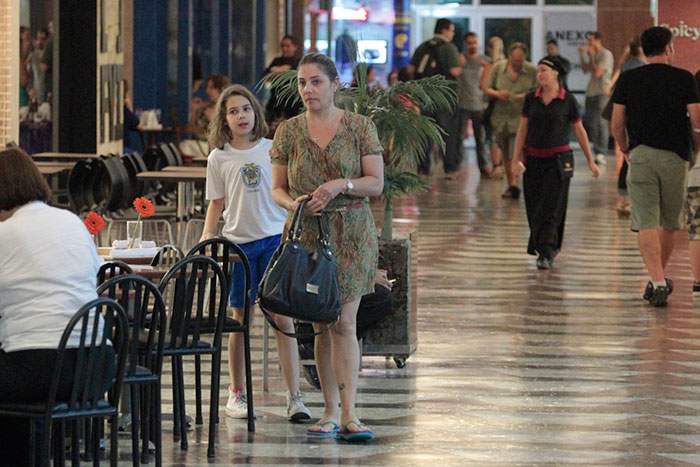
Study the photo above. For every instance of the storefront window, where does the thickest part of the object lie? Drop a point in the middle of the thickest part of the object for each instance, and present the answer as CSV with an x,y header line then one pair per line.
x,y
568,2
462,26
510,30
443,2
509,2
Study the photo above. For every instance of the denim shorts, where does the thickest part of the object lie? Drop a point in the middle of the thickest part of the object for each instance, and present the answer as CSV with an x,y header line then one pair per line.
x,y
259,253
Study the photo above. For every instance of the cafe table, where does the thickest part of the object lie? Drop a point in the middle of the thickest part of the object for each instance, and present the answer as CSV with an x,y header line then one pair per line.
x,y
63,156
185,192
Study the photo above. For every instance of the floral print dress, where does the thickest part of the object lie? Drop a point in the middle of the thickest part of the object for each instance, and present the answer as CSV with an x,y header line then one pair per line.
x,y
353,236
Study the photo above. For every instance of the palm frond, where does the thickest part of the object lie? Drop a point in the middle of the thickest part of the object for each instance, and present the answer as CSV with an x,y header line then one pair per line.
x,y
283,85
397,181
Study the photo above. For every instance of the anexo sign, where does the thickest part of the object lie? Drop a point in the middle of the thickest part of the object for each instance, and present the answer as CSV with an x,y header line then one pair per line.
x,y
682,17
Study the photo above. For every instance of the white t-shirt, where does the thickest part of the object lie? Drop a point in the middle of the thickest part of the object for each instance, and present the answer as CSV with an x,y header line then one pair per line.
x,y
244,179
48,270
694,175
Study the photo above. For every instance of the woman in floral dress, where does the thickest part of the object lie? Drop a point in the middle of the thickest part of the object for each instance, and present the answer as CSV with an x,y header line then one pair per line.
x,y
333,157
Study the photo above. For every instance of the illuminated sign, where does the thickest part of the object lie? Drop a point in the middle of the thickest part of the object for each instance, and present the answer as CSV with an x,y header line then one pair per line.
x,y
340,13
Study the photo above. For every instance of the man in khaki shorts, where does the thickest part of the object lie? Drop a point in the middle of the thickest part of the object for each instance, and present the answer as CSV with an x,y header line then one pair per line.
x,y
650,122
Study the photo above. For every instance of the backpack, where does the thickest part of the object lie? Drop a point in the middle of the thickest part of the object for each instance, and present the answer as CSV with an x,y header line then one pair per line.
x,y
426,59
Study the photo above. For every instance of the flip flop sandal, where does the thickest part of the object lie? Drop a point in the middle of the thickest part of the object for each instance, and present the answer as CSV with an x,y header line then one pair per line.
x,y
321,433
363,434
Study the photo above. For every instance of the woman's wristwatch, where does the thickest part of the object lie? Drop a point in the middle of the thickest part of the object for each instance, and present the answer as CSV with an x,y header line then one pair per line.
x,y
348,185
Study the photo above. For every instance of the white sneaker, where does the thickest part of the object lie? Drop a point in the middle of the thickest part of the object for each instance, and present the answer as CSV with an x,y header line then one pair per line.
x,y
600,159
237,405
296,410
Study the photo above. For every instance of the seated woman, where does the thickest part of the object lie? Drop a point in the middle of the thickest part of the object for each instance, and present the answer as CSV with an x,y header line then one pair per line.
x,y
48,268
200,115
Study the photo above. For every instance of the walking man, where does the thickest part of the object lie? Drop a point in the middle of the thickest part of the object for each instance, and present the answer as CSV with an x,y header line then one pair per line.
x,y
440,56
471,97
600,64
650,122
509,81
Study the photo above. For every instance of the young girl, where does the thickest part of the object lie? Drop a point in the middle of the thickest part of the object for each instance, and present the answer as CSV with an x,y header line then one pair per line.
x,y
239,177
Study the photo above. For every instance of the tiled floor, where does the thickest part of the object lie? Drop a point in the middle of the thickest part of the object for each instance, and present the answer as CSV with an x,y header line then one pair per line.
x,y
515,366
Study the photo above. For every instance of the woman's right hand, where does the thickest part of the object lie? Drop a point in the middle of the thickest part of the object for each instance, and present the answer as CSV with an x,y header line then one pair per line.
x,y
293,207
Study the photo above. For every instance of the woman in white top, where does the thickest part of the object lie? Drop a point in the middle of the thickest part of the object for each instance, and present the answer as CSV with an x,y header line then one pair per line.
x,y
239,177
48,269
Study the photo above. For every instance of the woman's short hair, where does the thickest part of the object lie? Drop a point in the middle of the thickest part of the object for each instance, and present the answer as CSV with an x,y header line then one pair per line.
x,y
323,62
220,82
20,180
219,131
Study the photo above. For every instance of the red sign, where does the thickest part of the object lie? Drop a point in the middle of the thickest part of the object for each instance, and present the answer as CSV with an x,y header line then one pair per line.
x,y
361,14
682,17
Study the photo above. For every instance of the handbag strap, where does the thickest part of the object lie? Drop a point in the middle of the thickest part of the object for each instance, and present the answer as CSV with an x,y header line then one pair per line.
x,y
298,217
293,335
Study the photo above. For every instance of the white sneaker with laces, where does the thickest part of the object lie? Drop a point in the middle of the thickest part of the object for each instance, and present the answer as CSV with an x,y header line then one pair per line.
x,y
296,410
237,405
600,159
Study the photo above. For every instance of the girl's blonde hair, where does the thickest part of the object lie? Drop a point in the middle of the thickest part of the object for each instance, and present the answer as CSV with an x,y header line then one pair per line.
x,y
219,132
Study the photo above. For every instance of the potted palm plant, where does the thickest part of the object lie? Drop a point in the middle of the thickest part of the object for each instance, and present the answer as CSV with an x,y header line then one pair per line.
x,y
406,133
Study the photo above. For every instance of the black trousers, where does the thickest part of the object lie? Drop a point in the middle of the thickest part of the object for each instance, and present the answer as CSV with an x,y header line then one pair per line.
x,y
622,177
25,376
477,117
546,197
449,122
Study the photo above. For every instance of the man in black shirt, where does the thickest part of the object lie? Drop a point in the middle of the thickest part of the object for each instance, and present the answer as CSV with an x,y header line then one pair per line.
x,y
650,122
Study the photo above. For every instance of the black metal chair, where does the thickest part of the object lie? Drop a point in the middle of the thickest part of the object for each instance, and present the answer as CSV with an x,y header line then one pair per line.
x,y
199,297
167,256
144,305
112,269
224,252
96,323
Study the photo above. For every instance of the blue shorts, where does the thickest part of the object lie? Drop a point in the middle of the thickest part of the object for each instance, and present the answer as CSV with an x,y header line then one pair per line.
x,y
259,254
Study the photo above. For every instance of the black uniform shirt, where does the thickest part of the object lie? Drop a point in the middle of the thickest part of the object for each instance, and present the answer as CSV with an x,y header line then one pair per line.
x,y
548,125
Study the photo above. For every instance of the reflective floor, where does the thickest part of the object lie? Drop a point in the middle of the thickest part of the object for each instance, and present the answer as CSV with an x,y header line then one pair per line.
x,y
514,366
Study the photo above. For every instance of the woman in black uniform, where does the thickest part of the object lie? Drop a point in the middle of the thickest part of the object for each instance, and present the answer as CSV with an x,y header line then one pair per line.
x,y
543,140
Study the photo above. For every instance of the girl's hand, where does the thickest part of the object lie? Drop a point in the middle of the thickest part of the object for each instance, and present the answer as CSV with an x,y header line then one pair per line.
x,y
594,168
206,236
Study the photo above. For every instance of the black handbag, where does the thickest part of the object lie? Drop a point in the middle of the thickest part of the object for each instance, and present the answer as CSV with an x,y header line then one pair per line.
x,y
300,284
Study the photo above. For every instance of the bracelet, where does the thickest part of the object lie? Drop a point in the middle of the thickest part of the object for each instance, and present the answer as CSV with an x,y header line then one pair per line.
x,y
696,130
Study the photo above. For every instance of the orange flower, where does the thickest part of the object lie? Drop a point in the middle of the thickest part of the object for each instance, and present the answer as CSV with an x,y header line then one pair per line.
x,y
144,207
94,223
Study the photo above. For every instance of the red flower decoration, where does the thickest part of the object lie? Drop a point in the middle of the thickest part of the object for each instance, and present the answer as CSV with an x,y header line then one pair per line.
x,y
94,223
144,207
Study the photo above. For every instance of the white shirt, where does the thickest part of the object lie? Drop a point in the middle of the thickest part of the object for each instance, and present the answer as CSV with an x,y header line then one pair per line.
x,y
694,175
244,179
48,270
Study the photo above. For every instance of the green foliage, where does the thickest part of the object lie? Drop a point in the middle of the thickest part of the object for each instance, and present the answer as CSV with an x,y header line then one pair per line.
x,y
397,181
393,111
406,132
